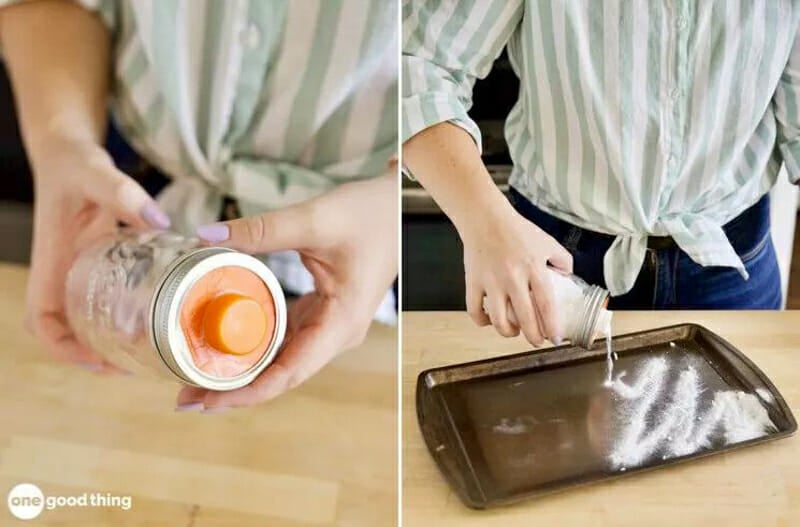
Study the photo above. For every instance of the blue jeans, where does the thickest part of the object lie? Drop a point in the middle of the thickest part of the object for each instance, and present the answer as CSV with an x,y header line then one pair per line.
x,y
669,279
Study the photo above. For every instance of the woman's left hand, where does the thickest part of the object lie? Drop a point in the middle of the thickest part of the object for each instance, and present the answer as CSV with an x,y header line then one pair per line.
x,y
347,239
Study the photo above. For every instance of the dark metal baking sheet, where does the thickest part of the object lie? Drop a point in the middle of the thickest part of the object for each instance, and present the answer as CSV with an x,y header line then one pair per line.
x,y
523,425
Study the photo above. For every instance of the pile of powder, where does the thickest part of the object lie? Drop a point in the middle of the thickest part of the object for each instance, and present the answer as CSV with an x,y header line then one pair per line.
x,y
668,418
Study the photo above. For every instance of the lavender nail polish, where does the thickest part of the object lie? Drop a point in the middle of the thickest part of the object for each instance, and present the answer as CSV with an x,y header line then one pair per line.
x,y
189,407
214,233
91,366
155,217
556,340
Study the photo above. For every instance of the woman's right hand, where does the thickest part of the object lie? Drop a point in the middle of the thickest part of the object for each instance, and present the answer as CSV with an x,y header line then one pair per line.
x,y
505,255
80,196
505,261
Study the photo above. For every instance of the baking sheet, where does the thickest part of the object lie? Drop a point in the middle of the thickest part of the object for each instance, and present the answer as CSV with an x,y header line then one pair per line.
x,y
524,425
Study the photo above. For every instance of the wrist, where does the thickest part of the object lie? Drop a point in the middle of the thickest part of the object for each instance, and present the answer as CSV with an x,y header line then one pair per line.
x,y
54,155
62,132
481,212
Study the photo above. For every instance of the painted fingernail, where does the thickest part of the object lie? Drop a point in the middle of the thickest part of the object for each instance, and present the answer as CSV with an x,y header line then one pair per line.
x,y
556,340
214,233
189,407
91,366
216,410
155,217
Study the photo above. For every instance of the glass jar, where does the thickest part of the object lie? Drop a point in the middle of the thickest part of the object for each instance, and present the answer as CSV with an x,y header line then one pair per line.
x,y
109,291
124,296
582,307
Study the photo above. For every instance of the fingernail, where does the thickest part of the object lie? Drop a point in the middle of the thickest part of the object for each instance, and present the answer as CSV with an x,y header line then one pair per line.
x,y
155,217
91,366
216,410
214,233
189,407
556,340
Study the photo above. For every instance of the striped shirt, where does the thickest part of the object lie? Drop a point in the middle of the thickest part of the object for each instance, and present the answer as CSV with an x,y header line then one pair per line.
x,y
634,117
269,101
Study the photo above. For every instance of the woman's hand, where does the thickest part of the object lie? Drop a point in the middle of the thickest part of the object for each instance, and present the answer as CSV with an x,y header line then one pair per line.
x,y
505,256
58,56
80,196
505,262
347,239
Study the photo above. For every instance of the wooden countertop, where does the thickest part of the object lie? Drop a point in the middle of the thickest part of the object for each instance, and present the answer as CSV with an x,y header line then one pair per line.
x,y
758,486
324,454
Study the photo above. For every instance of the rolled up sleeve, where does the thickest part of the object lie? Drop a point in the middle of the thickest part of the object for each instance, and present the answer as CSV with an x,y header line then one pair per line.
x,y
446,47
105,9
786,102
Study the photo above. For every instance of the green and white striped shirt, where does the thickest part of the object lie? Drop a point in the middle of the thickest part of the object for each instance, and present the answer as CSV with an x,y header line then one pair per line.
x,y
634,117
269,101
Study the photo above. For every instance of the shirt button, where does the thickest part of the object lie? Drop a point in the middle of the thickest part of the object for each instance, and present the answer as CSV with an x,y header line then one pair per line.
x,y
675,93
251,36
672,160
681,22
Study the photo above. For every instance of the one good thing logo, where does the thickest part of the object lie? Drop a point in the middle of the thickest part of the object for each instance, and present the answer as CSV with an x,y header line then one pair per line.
x,y
26,501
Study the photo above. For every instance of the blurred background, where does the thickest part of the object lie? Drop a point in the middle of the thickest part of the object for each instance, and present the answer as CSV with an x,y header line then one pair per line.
x,y
433,272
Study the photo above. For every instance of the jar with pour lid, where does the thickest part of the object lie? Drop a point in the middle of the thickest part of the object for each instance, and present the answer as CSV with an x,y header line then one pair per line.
x,y
582,308
157,302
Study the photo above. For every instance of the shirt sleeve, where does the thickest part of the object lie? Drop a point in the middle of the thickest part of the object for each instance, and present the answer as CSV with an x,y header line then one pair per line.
x,y
446,46
786,103
105,9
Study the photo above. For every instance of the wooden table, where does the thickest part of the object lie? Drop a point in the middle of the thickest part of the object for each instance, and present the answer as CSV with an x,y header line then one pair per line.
x,y
758,486
324,454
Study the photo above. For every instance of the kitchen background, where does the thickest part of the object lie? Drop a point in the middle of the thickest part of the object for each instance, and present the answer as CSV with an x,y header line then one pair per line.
x,y
433,273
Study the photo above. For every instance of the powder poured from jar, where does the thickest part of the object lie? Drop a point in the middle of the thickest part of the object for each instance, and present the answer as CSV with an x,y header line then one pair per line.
x,y
659,416
609,355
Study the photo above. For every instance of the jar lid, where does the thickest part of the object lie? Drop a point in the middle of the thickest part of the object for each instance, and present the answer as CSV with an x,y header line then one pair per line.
x,y
168,336
234,323
594,309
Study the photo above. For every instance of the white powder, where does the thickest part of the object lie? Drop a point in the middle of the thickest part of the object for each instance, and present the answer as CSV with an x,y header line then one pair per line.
x,y
632,447
515,425
569,297
765,395
609,363
675,424
611,355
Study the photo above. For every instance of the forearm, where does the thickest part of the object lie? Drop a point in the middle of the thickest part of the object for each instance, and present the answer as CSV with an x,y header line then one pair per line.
x,y
57,54
446,161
